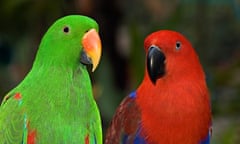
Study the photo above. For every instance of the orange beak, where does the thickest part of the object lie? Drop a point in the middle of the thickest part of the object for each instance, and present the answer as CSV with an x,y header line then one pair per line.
x,y
92,47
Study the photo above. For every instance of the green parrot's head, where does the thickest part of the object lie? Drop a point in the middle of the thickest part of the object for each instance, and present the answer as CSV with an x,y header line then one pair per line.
x,y
69,41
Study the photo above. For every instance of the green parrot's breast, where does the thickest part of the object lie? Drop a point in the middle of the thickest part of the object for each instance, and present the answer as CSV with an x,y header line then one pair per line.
x,y
59,107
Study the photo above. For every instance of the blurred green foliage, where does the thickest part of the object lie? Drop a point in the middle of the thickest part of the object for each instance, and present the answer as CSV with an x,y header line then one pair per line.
x,y
213,27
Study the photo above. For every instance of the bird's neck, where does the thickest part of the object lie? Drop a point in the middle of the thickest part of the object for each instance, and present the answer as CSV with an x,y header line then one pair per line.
x,y
59,85
172,91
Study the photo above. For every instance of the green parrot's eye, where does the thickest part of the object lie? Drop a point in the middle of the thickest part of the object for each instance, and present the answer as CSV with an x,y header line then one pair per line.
x,y
66,29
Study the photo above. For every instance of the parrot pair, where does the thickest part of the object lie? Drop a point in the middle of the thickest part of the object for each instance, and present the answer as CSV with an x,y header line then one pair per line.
x,y
54,103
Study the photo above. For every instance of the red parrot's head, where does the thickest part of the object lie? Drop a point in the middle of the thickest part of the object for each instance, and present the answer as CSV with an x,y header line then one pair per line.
x,y
169,53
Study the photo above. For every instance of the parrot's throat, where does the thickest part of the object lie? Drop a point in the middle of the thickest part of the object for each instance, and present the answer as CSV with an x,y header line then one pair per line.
x,y
61,86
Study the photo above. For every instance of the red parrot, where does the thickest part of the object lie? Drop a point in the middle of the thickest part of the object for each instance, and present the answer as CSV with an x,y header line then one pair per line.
x,y
172,104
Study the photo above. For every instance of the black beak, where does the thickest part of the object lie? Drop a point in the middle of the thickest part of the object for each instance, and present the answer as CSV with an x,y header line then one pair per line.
x,y
84,59
155,63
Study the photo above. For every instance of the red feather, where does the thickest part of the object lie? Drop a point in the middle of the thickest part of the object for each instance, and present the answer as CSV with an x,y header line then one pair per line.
x,y
87,139
17,96
31,139
31,136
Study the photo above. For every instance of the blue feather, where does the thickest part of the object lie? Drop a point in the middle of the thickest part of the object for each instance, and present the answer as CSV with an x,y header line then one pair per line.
x,y
207,139
138,139
133,94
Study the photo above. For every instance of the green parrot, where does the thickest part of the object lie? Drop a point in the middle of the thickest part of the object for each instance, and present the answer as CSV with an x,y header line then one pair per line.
x,y
54,104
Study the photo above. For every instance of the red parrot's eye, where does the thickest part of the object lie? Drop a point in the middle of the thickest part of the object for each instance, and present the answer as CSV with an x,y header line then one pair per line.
x,y
66,29
178,45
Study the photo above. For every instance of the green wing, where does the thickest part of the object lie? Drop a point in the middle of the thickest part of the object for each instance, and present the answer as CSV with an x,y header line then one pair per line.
x,y
11,120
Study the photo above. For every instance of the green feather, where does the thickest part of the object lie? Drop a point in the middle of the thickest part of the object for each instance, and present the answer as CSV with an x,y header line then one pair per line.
x,y
57,97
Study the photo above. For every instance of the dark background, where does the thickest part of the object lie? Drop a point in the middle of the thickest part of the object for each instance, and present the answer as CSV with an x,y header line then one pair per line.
x,y
213,27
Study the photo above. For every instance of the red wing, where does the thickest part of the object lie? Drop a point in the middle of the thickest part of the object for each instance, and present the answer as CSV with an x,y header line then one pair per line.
x,y
125,122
